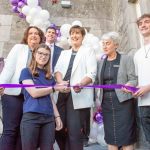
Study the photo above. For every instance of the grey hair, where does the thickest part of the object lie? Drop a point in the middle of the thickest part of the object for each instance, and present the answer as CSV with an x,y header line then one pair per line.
x,y
111,35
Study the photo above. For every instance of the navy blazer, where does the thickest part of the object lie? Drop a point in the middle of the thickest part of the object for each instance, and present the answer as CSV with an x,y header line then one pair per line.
x,y
56,54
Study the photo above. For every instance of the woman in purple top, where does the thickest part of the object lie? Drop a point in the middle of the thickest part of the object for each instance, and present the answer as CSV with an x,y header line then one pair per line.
x,y
39,111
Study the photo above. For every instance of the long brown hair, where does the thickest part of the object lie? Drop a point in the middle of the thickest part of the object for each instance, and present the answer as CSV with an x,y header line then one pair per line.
x,y
26,34
33,64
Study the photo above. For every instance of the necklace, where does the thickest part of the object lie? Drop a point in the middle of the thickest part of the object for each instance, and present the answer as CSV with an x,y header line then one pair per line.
x,y
146,52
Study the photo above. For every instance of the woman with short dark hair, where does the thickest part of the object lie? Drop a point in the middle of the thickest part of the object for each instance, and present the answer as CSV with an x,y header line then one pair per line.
x,y
75,67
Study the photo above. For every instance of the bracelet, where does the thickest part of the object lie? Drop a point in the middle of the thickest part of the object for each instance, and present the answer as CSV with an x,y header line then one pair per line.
x,y
53,89
57,117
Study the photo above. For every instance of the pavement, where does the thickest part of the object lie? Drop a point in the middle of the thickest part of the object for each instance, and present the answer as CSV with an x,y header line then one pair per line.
x,y
95,147
90,147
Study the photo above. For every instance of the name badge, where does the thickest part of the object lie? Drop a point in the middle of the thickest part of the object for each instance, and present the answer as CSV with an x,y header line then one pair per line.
x,y
115,65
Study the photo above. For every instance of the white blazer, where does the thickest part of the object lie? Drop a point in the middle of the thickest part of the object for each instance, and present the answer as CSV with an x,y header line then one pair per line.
x,y
15,62
84,66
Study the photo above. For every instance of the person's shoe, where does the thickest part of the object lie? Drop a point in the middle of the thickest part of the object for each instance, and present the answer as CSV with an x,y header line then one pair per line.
x,y
85,144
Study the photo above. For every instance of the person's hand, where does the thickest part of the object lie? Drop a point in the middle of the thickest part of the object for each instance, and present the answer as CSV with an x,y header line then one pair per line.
x,y
64,86
77,87
59,124
141,91
2,90
126,90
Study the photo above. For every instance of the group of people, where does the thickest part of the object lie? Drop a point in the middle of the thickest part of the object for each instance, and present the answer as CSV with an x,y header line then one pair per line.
x,y
31,115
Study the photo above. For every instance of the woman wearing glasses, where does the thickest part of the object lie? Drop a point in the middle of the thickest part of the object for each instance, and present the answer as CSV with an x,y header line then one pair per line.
x,y
38,121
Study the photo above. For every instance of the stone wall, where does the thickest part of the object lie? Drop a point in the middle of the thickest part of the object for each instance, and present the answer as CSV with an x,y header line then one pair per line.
x,y
11,28
94,14
124,16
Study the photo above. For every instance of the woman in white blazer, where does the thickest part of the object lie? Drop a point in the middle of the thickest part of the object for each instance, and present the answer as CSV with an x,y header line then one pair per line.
x,y
75,67
12,99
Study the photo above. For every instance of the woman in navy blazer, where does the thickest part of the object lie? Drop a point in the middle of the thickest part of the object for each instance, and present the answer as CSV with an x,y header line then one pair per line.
x,y
12,100
117,104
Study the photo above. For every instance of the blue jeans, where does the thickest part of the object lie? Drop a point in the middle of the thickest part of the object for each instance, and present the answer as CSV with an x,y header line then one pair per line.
x,y
12,114
37,130
145,120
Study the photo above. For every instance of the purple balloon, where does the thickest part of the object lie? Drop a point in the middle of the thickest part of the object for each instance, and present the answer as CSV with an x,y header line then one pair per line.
x,y
98,118
15,9
58,33
24,1
14,2
52,25
21,4
21,15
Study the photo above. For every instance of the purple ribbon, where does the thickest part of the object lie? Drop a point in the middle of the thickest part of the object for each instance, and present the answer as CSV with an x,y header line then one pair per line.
x,y
111,86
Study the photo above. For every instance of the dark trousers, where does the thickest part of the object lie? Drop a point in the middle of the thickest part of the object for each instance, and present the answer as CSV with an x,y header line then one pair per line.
x,y
144,113
12,114
37,130
70,137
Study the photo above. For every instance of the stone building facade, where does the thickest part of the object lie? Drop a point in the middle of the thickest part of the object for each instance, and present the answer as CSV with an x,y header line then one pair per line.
x,y
99,16
96,15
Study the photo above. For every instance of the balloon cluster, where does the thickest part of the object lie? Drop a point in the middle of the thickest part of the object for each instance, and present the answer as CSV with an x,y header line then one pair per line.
x,y
17,5
33,13
98,118
97,129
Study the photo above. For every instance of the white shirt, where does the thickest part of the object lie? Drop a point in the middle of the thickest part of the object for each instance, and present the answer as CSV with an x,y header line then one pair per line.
x,y
51,46
84,65
142,68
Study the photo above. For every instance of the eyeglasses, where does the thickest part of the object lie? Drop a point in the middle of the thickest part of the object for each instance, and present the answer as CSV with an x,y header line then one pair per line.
x,y
43,54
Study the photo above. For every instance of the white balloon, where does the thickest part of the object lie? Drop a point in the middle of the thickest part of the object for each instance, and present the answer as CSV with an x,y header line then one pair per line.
x,y
100,140
87,39
63,42
43,29
44,14
38,22
69,41
38,8
47,23
25,10
62,38
29,19
64,30
77,22
95,40
97,48
33,12
32,3
93,133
